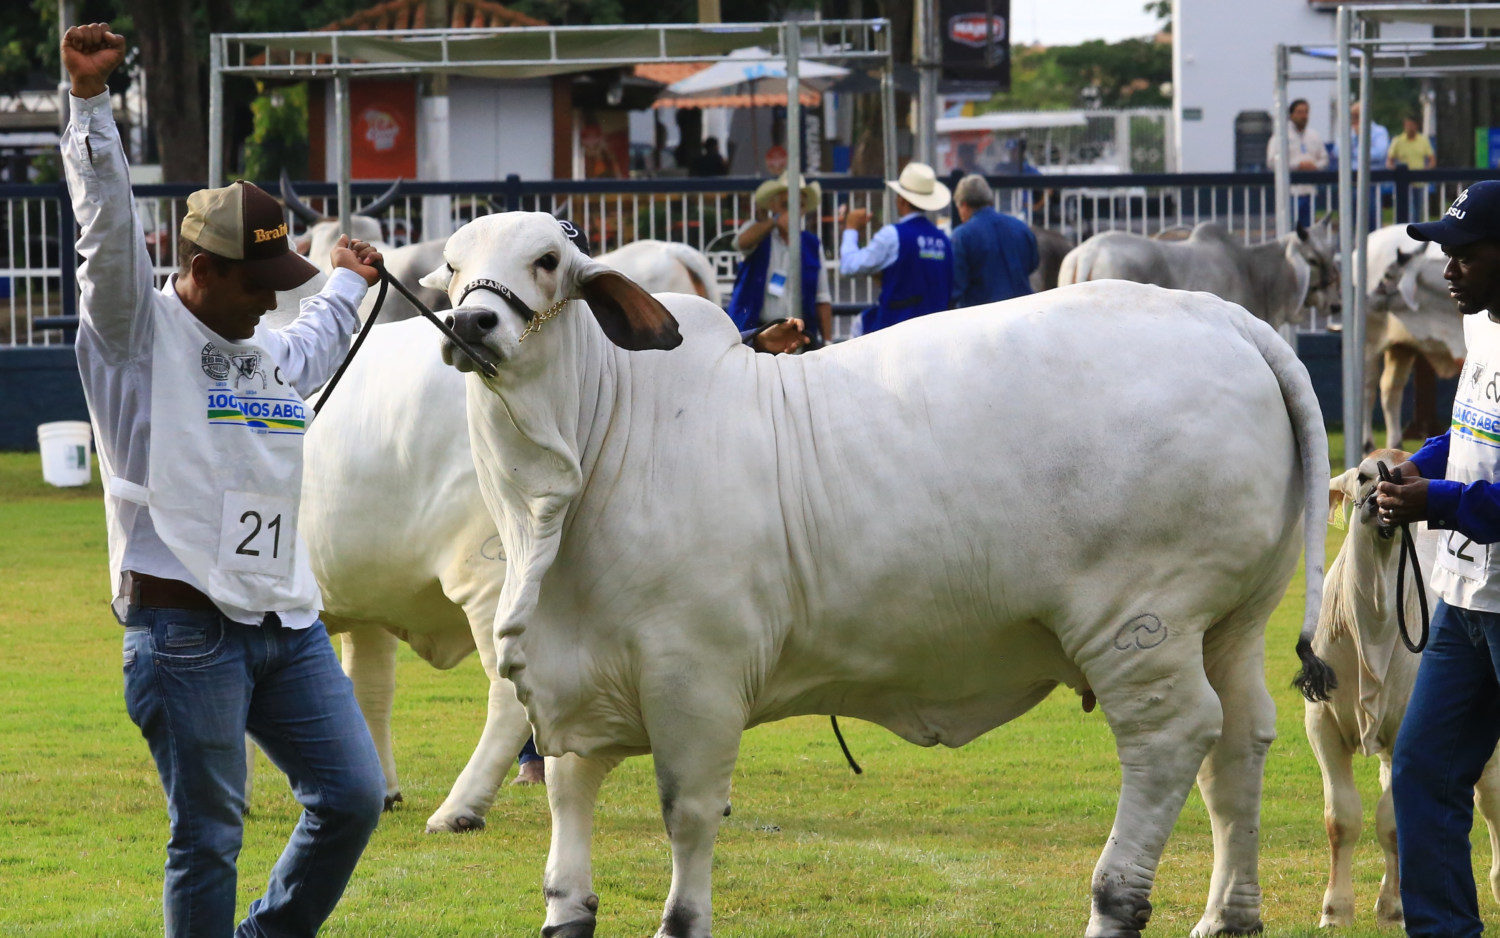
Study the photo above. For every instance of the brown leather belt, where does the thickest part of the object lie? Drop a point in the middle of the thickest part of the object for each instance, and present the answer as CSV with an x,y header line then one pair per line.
x,y
168,594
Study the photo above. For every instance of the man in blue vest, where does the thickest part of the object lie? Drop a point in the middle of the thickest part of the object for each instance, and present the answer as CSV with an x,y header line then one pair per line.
x,y
1452,722
993,254
759,296
913,256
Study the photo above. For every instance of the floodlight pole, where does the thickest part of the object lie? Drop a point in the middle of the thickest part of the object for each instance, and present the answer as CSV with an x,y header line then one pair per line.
x,y
341,119
888,138
927,82
1354,392
791,43
1354,317
215,113
1282,170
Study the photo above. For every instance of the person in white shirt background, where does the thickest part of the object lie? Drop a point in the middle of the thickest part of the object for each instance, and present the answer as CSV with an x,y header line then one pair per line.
x,y
1307,154
199,415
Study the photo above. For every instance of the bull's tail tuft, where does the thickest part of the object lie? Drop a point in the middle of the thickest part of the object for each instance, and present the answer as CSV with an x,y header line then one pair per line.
x,y
1315,680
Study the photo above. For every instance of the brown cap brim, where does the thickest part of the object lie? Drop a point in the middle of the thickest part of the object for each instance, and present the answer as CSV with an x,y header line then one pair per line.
x,y
284,272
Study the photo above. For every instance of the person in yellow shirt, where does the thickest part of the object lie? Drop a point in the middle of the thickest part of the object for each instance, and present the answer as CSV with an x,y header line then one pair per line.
x,y
1414,151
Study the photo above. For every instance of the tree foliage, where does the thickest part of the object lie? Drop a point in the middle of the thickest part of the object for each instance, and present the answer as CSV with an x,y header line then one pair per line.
x,y
1124,74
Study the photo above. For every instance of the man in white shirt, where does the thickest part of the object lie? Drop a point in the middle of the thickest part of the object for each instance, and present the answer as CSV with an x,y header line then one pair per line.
x,y
1308,154
199,415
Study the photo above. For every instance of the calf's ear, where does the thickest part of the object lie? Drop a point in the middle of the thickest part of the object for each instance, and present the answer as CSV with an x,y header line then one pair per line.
x,y
1342,488
632,318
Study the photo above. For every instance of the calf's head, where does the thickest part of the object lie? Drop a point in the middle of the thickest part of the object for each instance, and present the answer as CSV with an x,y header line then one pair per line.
x,y
508,274
1357,487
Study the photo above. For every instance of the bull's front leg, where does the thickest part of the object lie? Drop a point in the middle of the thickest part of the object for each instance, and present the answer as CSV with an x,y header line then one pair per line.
x,y
572,791
695,739
1151,684
505,732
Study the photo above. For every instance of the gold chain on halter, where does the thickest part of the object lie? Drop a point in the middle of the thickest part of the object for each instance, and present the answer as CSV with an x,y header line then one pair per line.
x,y
536,321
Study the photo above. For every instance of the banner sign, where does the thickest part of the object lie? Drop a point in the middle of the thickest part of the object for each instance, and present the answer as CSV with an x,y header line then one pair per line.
x,y
976,41
383,135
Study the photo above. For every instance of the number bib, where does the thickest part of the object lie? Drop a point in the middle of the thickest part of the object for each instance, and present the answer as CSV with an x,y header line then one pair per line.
x,y
255,534
1465,572
1462,557
226,466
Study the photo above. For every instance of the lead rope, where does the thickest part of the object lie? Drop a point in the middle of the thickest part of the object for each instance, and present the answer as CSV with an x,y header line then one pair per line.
x,y
386,280
1407,548
842,745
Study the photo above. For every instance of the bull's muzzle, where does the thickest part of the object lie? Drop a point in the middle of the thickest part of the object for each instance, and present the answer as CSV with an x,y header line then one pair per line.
x,y
474,323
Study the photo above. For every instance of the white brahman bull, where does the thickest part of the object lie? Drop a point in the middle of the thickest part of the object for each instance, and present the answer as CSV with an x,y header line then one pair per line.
x,y
1409,313
1272,280
1357,638
701,539
659,266
399,539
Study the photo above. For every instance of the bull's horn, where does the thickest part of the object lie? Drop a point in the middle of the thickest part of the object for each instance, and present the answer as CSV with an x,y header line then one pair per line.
x,y
385,199
298,207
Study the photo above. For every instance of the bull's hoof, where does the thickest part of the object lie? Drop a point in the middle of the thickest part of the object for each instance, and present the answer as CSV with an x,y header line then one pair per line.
x,y
1205,930
392,800
459,824
728,808
531,773
569,930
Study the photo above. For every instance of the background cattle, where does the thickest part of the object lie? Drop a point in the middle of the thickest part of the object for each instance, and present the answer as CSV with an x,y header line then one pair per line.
x,y
1357,637
1409,314
1271,280
701,539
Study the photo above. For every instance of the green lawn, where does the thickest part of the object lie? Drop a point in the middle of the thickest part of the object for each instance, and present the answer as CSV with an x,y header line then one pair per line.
x,y
998,838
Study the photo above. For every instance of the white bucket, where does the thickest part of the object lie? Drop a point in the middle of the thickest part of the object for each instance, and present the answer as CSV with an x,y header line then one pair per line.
x,y
65,452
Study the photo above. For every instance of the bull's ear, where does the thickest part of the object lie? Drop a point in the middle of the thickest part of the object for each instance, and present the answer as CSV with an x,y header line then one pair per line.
x,y
1341,488
438,279
1301,233
632,318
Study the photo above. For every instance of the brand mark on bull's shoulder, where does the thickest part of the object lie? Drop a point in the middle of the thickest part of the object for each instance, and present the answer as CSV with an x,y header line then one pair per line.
x,y
1145,631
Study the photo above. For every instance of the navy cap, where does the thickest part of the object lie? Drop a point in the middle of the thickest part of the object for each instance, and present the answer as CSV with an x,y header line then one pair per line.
x,y
1473,216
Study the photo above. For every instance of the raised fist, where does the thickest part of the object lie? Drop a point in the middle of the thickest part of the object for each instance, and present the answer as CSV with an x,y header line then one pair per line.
x,y
90,53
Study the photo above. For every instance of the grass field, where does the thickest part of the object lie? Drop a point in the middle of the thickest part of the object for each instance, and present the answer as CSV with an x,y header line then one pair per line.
x,y
998,838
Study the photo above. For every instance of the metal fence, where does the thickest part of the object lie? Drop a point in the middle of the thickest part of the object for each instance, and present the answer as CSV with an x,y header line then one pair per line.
x,y
38,273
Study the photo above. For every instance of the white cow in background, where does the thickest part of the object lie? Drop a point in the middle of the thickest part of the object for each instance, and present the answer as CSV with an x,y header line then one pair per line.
x,y
1357,637
701,539
1409,313
1271,280
659,266
399,539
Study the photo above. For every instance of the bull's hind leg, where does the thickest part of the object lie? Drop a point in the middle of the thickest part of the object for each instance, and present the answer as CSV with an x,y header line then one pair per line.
x,y
1230,778
1148,675
568,885
370,662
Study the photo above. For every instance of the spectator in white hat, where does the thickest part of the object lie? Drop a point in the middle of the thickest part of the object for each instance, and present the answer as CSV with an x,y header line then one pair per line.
x,y
913,256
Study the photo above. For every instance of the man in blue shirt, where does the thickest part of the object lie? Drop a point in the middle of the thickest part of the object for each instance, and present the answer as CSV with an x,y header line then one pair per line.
x,y
1453,720
913,256
993,254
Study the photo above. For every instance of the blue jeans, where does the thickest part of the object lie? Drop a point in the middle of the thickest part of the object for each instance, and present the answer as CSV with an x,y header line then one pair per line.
x,y
528,752
195,683
1450,730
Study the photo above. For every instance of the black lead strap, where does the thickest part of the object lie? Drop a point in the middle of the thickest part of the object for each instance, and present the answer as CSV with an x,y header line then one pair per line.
x,y
1407,549
386,280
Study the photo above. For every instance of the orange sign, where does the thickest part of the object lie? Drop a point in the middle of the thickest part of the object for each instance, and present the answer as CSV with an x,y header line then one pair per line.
x,y
383,138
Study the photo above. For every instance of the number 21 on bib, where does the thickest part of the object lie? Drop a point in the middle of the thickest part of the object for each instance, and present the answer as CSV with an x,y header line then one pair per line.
x,y
256,534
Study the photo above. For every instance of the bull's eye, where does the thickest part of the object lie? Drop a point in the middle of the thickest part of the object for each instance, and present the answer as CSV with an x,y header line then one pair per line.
x,y
547,262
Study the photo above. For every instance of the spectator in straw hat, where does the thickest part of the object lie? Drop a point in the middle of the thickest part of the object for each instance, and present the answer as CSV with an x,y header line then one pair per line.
x,y
913,256
993,253
759,294
200,414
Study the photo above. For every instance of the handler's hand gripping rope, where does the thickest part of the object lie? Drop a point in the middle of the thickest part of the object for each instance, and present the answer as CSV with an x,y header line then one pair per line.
x,y
1407,549
386,280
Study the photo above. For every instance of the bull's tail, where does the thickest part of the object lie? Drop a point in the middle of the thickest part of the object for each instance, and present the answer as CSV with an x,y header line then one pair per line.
x,y
1316,677
699,268
1075,267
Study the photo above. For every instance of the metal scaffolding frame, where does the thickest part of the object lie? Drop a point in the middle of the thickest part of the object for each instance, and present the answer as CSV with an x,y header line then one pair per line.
x,y
1359,44
535,51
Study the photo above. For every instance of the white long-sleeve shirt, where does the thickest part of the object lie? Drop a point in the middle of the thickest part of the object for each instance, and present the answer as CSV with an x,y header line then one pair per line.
x,y
117,312
1303,146
880,253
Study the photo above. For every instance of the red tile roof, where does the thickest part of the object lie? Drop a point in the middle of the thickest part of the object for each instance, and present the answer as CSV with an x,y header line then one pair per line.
x,y
412,14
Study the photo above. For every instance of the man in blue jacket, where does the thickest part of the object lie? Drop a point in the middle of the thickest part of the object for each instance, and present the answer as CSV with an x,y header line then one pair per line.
x,y
1453,720
993,254
913,256
760,285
